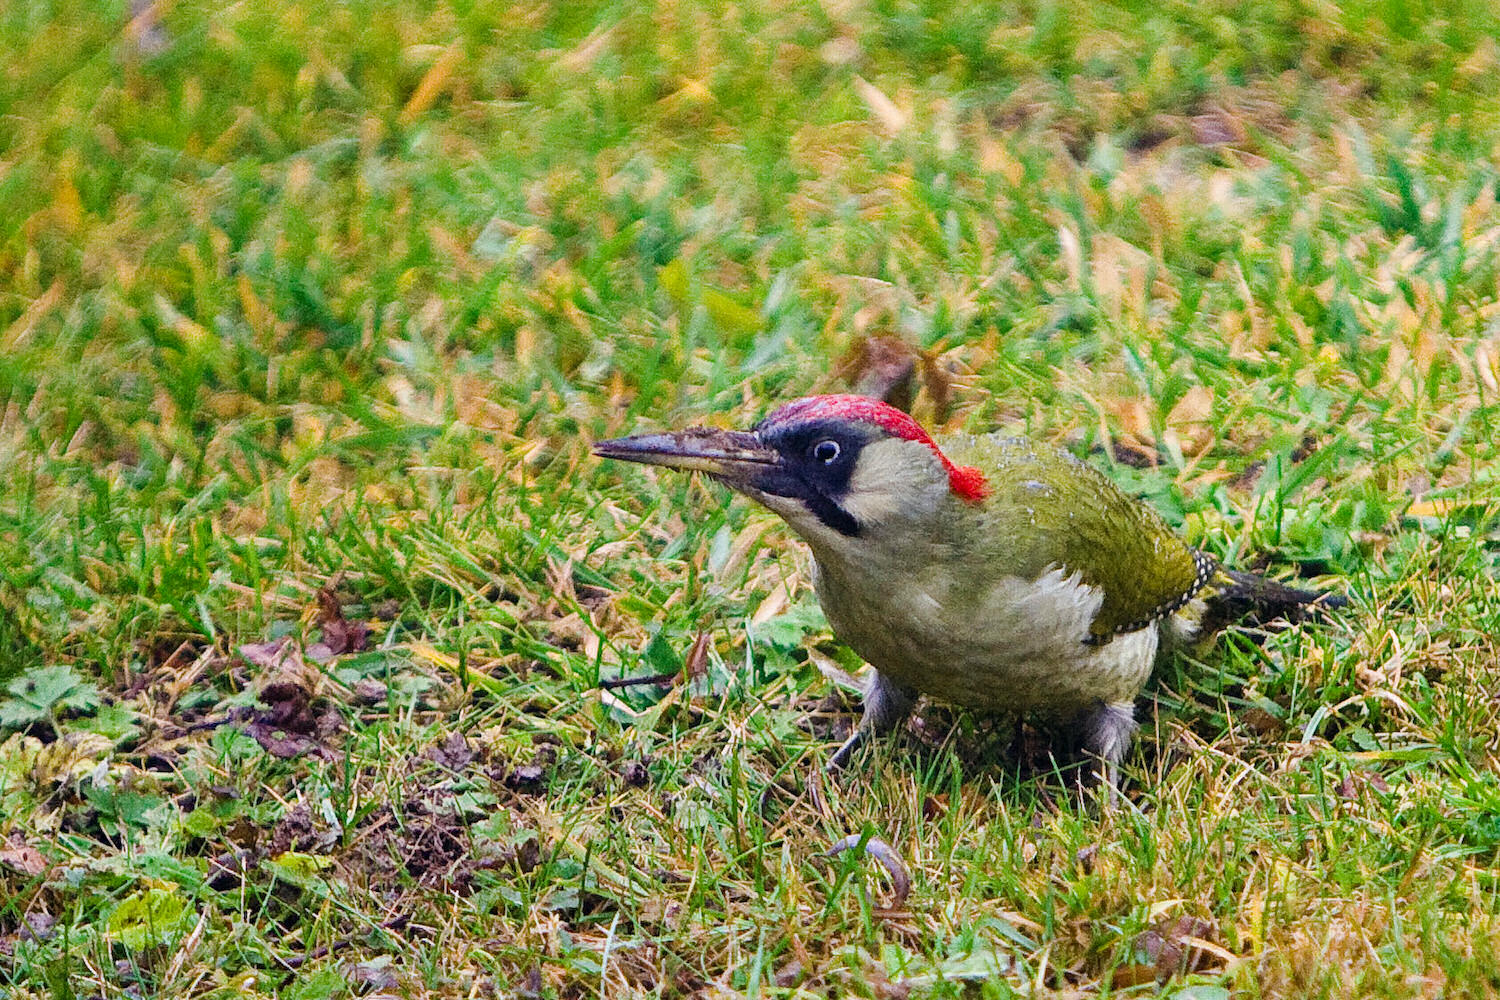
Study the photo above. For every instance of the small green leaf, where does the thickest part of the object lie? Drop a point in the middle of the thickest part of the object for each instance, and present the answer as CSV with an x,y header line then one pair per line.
x,y
127,808
660,656
200,822
788,629
56,973
320,985
673,278
299,868
1201,992
38,694
154,916
116,722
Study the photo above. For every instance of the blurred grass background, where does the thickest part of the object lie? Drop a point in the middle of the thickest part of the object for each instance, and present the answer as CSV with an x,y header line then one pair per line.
x,y
309,312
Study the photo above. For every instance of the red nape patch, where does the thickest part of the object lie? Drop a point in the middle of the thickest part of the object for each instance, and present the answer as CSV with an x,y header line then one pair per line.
x,y
966,481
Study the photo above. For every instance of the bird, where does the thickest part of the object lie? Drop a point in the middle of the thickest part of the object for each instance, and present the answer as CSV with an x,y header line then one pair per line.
x,y
990,572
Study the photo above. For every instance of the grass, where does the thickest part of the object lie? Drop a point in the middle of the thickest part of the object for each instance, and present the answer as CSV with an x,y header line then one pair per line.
x,y
310,312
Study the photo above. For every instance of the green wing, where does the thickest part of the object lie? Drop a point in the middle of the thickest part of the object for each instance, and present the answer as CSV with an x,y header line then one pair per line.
x,y
1047,508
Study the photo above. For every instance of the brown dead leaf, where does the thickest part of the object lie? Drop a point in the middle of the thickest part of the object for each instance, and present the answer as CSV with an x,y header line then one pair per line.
x,y
289,726
144,33
1191,420
1130,453
369,692
774,604
432,84
790,974
635,774
340,635
1135,444
527,779
1262,723
884,368
265,654
375,974
230,870
22,857
453,753
39,926
938,381
695,664
1169,948
296,831
1349,788
582,57
1217,128
16,333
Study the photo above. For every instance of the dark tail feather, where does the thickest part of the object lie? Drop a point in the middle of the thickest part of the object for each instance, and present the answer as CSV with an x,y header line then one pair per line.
x,y
1244,597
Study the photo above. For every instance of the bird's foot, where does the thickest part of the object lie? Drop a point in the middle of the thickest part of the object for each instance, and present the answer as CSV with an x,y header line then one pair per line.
x,y
1107,732
846,750
887,704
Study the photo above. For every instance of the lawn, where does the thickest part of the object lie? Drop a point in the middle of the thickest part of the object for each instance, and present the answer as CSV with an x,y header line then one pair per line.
x,y
313,599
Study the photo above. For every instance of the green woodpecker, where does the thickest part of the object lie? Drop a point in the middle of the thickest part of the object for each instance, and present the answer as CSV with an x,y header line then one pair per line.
x,y
988,572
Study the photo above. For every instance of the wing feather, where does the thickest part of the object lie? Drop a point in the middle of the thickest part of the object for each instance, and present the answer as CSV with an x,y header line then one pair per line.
x,y
1046,509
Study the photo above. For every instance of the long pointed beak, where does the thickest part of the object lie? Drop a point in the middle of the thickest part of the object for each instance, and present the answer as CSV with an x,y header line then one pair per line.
x,y
736,457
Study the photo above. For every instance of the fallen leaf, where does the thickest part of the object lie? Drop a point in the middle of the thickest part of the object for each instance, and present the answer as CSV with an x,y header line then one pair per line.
x,y
1262,723
340,635
695,664
263,654
1168,949
289,726
529,778
1218,128
369,692
38,926
145,31
296,833
938,382
1135,444
22,857
883,368
453,753
635,774
375,974
1191,419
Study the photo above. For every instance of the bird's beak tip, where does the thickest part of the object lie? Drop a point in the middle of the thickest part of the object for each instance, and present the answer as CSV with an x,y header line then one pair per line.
x,y
722,453
610,448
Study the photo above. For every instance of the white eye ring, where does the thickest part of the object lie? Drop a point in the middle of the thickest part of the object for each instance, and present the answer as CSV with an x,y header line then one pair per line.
x,y
826,452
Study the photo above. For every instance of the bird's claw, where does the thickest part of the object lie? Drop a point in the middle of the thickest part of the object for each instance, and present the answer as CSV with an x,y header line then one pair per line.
x,y
846,750
888,858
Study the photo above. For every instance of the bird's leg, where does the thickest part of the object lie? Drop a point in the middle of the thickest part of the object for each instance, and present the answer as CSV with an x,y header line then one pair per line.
x,y
886,706
1107,732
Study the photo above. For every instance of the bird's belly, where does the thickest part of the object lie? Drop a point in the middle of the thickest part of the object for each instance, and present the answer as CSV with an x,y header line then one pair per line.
x,y
1019,648
991,678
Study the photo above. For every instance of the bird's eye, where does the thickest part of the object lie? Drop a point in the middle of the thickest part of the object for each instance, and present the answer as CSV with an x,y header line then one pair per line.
x,y
826,452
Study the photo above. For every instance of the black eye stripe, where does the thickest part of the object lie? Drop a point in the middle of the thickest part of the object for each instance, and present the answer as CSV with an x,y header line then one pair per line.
x,y
817,461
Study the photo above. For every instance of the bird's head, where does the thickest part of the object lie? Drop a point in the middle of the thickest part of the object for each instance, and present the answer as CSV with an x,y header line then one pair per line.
x,y
834,467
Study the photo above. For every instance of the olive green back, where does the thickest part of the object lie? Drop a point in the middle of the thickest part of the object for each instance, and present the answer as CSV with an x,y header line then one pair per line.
x,y
1046,508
